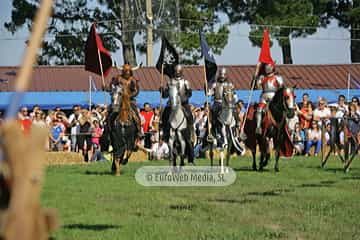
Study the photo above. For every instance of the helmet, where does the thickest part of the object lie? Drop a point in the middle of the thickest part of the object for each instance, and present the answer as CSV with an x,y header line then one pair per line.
x,y
178,70
126,71
222,75
269,68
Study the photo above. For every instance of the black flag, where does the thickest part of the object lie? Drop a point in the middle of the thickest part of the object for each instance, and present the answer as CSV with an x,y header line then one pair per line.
x,y
210,63
168,57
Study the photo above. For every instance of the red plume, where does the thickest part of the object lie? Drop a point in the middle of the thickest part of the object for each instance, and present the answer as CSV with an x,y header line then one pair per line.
x,y
265,55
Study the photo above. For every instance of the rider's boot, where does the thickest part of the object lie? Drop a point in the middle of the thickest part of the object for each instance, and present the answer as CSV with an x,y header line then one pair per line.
x,y
259,114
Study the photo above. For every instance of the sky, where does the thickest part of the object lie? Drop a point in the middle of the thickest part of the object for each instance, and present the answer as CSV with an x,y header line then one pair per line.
x,y
327,46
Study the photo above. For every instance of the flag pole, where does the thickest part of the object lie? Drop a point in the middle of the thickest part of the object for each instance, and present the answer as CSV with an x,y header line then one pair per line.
x,y
90,93
348,89
102,75
253,84
161,84
161,108
207,101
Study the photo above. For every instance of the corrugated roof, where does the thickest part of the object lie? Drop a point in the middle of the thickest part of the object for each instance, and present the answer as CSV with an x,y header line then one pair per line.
x,y
75,78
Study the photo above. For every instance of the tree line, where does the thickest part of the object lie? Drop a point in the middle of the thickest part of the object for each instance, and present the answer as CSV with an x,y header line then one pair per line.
x,y
120,20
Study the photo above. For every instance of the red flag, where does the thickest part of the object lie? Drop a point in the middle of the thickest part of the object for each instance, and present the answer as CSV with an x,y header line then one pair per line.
x,y
265,55
94,46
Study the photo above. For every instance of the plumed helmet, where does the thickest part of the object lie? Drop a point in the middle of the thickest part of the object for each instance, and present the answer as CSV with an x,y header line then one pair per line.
x,y
269,68
178,70
222,75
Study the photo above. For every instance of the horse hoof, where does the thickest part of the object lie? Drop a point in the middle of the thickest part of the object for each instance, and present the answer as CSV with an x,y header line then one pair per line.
x,y
277,169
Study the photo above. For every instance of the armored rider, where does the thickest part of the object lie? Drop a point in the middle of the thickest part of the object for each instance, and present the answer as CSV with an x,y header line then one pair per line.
x,y
120,84
217,90
185,93
269,82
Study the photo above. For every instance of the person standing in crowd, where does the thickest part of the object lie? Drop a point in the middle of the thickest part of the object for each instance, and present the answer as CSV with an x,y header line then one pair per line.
x,y
341,106
239,112
147,114
298,139
353,126
56,134
97,132
313,138
306,100
84,137
305,112
24,119
155,125
322,112
36,109
75,127
355,101
38,120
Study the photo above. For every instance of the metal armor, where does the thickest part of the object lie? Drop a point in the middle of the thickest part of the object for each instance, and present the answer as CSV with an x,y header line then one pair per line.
x,y
183,87
269,84
217,90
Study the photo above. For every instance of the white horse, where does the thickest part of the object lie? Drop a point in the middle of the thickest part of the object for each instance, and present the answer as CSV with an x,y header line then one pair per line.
x,y
178,126
225,128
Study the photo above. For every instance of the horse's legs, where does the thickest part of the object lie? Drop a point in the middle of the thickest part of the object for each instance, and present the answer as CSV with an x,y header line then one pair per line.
x,y
171,148
222,161
277,156
182,147
211,153
117,162
253,153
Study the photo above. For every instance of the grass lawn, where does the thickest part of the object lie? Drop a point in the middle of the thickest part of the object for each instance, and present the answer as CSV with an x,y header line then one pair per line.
x,y
303,201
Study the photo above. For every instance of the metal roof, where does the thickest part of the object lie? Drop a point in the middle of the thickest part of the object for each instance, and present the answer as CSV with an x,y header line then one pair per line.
x,y
75,78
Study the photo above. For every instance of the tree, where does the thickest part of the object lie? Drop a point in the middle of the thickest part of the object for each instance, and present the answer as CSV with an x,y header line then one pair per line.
x,y
181,24
70,23
288,14
348,14
119,22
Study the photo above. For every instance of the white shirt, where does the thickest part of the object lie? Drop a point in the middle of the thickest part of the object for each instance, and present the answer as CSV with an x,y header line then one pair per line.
x,y
160,151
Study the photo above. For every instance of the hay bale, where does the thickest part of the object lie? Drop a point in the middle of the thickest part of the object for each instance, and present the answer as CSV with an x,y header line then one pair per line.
x,y
61,158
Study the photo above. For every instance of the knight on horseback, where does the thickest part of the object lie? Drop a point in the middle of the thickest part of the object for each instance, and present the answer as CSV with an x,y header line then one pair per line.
x,y
269,82
124,82
217,90
185,92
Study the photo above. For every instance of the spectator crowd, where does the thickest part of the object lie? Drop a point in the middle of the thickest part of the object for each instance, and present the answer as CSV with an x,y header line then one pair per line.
x,y
82,130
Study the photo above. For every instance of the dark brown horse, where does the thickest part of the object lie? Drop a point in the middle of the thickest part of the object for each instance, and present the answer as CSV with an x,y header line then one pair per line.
x,y
123,133
274,126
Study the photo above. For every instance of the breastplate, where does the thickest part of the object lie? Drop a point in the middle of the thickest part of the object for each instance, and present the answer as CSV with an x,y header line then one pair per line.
x,y
219,90
269,84
182,89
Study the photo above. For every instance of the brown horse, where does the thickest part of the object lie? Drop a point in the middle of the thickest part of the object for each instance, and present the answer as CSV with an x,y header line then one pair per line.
x,y
274,126
124,132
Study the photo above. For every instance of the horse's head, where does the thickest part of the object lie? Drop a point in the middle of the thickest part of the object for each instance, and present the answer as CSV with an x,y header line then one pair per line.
x,y
289,102
228,98
174,96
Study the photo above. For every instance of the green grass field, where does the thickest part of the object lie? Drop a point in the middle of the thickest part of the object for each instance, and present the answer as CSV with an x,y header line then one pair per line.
x,y
303,201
